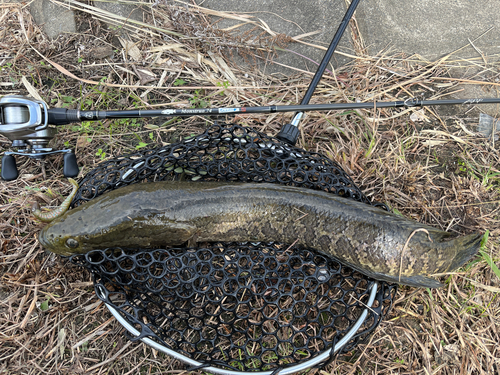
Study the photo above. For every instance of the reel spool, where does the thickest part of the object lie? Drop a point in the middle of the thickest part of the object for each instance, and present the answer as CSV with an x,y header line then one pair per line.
x,y
14,114
25,122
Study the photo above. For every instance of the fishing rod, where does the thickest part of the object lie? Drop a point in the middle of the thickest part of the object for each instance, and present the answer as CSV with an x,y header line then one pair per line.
x,y
26,122
14,117
66,116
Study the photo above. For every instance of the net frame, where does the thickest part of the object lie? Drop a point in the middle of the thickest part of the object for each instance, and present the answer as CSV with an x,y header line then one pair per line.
x,y
318,360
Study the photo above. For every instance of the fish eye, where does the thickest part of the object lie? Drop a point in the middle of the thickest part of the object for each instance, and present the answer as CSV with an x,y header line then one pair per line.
x,y
70,242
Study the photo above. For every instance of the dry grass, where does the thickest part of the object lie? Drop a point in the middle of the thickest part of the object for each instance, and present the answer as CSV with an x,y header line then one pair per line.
x,y
437,171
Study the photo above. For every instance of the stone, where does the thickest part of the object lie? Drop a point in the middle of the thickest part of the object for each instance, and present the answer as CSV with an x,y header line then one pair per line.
x,y
102,52
54,19
128,11
434,29
489,126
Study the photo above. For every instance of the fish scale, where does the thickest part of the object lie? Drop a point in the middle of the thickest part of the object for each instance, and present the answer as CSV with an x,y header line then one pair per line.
x,y
378,244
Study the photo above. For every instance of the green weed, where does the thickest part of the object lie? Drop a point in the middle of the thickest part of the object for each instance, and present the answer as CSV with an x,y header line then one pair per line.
x,y
44,306
85,126
68,101
486,256
395,210
101,154
197,101
225,85
141,145
179,82
486,176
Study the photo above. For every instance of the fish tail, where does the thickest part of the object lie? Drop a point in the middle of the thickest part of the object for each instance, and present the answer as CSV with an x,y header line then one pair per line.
x,y
467,247
59,211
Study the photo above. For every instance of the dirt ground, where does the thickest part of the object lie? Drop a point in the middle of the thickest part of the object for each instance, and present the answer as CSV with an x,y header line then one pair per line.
x,y
428,166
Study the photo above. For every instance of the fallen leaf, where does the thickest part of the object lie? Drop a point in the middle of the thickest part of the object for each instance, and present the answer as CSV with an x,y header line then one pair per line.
x,y
419,116
30,88
82,140
145,76
431,142
131,49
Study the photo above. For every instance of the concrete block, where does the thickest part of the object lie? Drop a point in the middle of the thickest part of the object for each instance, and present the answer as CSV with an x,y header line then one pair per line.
x,y
128,11
430,28
292,17
54,19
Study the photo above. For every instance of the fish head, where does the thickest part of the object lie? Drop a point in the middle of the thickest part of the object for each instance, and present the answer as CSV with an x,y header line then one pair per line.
x,y
78,232
58,237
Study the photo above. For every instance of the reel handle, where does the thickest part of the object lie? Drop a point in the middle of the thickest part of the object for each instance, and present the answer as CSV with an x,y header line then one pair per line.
x,y
9,168
70,168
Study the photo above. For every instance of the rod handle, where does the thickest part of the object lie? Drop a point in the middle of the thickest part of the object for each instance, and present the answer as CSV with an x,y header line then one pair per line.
x,y
62,116
289,133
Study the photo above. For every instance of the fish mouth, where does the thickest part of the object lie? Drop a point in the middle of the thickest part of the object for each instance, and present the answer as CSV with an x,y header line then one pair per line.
x,y
42,239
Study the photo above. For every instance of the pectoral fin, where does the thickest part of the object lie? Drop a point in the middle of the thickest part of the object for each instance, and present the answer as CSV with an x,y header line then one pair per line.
x,y
418,281
179,233
157,232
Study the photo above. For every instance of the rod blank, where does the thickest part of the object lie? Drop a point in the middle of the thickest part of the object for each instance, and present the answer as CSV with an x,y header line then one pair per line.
x,y
86,115
62,116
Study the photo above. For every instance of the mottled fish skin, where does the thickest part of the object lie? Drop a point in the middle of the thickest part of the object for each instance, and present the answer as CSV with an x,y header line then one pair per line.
x,y
376,243
59,211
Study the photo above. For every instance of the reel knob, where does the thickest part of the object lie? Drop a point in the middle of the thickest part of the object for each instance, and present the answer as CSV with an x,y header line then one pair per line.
x,y
9,168
70,168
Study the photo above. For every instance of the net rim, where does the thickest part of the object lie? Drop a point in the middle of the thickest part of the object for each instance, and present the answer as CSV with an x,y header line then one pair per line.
x,y
325,355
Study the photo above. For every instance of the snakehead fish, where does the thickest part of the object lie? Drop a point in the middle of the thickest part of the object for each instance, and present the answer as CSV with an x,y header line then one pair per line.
x,y
378,244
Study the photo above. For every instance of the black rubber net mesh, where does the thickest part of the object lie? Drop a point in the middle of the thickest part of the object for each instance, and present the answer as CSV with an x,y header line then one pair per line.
x,y
239,306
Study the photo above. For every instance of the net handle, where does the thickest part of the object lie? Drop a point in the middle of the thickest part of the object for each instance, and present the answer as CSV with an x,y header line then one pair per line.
x,y
286,371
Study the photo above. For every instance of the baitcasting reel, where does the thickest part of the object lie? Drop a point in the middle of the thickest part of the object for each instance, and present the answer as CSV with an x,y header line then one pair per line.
x,y
26,122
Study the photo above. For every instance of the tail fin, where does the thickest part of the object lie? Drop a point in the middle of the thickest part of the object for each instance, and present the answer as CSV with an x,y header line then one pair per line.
x,y
467,246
